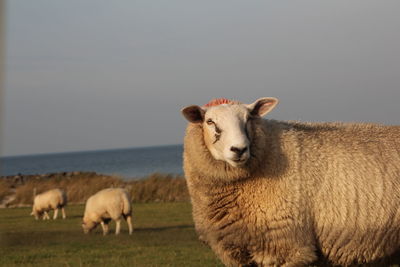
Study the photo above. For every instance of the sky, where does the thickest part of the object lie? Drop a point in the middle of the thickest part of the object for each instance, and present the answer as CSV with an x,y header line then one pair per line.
x,y
97,74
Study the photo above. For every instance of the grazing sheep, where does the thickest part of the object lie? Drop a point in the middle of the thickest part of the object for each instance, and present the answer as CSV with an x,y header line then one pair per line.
x,y
53,199
107,204
271,193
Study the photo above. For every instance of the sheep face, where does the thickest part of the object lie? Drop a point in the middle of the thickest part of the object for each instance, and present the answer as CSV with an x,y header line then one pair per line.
x,y
36,214
88,226
226,127
225,133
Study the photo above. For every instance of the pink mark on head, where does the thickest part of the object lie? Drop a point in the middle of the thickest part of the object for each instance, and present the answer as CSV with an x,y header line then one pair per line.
x,y
220,101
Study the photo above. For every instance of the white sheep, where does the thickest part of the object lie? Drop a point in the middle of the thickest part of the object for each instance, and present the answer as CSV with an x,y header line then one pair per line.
x,y
271,193
106,205
53,199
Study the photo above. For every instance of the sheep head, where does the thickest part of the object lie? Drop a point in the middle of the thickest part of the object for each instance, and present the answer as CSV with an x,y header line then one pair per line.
x,y
88,225
226,126
36,213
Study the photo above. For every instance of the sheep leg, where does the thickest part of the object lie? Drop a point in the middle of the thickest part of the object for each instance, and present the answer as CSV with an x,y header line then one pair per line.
x,y
129,221
63,213
118,226
46,216
105,227
55,213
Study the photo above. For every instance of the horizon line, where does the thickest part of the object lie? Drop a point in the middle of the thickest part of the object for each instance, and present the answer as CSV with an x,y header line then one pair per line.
x,y
86,151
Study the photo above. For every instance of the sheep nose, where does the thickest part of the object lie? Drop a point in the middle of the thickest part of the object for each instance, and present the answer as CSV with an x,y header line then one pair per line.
x,y
238,151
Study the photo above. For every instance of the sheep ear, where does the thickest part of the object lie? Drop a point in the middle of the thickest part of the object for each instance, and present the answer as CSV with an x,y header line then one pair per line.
x,y
194,114
262,106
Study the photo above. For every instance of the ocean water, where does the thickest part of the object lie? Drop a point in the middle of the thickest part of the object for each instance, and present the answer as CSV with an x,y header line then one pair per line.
x,y
130,163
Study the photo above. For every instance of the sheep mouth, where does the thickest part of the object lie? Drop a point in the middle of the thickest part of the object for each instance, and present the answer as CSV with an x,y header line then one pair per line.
x,y
238,162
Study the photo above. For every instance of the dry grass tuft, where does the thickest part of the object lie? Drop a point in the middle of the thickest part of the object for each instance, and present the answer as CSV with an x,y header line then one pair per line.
x,y
159,188
81,185
5,189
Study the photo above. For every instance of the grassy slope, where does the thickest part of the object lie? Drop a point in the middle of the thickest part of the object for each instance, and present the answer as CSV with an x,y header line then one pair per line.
x,y
163,236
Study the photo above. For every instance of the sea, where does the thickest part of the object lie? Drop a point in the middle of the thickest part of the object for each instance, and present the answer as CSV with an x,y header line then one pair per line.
x,y
129,163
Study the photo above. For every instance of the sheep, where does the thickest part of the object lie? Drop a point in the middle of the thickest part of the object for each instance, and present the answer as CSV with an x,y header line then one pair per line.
x,y
107,204
53,199
275,193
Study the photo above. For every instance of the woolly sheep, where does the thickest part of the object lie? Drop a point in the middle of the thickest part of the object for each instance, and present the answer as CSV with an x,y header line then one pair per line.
x,y
53,199
107,204
273,193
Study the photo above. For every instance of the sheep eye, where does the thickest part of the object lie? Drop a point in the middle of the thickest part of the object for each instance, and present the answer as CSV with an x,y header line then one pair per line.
x,y
209,121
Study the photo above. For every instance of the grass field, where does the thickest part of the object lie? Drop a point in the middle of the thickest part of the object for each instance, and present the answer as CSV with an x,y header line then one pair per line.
x,y
163,236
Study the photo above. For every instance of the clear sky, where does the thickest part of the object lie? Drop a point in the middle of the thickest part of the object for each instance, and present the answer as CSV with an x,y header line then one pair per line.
x,y
99,74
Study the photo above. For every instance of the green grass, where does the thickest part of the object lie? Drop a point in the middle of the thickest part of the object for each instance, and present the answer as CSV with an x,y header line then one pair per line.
x,y
163,236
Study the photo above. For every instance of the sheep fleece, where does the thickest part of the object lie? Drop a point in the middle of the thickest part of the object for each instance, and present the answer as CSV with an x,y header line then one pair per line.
x,y
107,203
308,189
51,199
